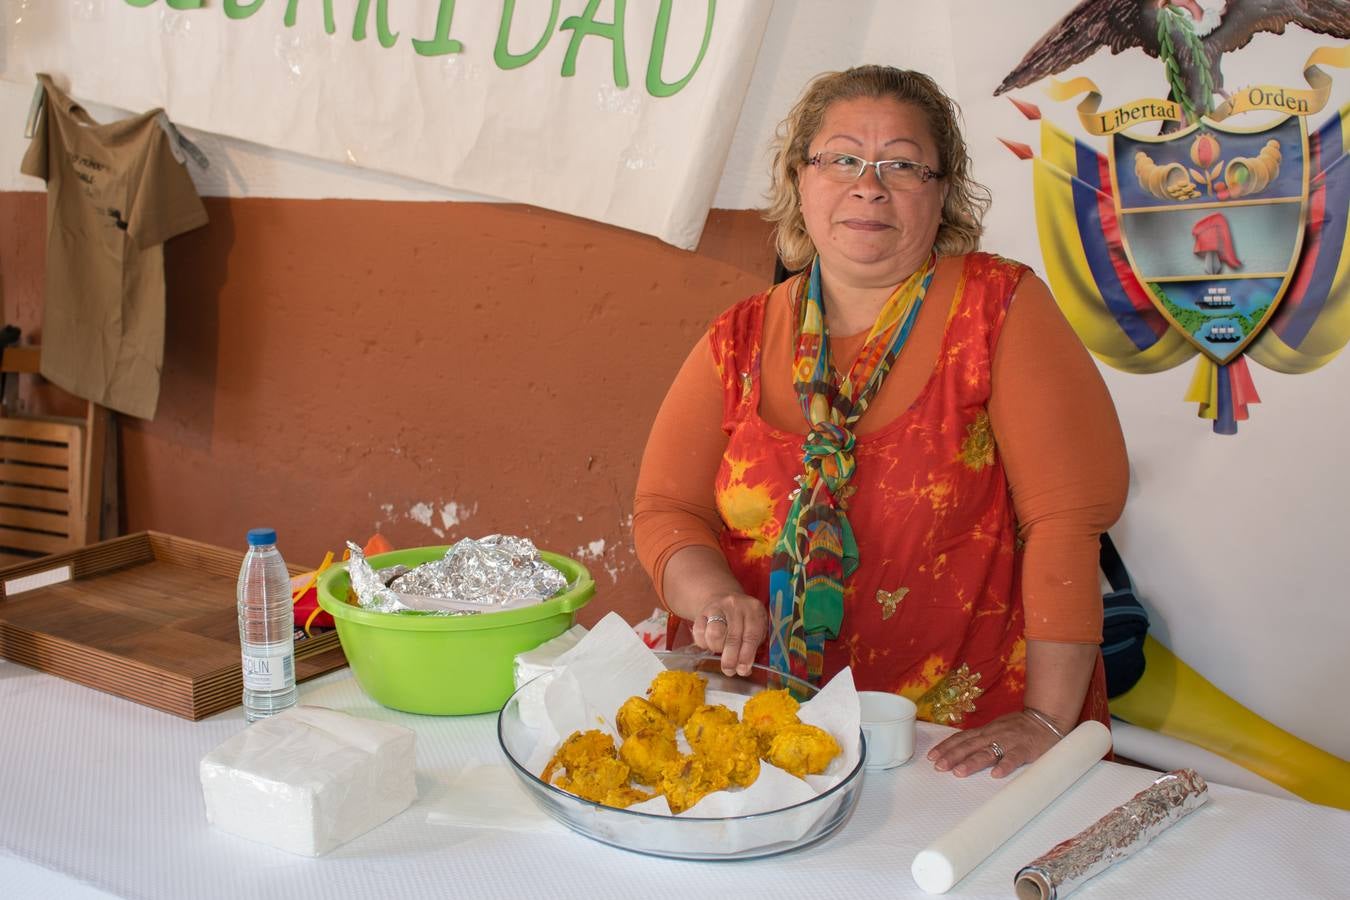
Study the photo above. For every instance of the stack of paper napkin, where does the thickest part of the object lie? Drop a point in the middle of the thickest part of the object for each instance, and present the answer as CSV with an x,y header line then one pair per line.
x,y
309,779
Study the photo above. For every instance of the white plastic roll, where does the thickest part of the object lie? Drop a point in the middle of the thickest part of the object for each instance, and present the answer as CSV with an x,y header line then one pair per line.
x,y
951,857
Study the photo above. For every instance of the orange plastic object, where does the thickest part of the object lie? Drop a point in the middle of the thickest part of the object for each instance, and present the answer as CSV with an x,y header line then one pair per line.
x,y
304,588
378,543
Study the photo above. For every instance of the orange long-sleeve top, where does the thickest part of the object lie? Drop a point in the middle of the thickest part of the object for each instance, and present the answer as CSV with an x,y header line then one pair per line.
x,y
1053,421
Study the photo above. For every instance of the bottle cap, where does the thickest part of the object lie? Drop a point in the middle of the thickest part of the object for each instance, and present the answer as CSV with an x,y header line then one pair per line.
x,y
260,536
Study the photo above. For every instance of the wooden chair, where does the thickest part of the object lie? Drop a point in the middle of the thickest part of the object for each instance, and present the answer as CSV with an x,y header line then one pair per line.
x,y
51,472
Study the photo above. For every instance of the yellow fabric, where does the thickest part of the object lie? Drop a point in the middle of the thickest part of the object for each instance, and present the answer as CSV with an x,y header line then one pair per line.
x,y
1174,699
1070,277
1204,388
1329,337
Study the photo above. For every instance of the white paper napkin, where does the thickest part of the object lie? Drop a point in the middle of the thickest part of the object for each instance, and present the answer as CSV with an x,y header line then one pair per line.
x,y
491,796
533,663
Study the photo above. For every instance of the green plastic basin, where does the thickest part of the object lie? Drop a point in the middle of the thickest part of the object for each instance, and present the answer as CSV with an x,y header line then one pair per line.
x,y
445,665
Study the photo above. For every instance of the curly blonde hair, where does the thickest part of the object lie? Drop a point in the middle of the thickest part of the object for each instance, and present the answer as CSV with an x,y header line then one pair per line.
x,y
966,201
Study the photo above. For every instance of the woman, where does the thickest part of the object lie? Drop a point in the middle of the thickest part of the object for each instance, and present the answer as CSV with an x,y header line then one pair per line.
x,y
814,497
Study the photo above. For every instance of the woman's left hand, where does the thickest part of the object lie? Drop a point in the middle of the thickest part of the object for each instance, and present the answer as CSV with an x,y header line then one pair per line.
x,y
1021,738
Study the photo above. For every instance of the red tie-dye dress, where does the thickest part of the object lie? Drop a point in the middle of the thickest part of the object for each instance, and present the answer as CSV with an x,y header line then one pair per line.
x,y
934,610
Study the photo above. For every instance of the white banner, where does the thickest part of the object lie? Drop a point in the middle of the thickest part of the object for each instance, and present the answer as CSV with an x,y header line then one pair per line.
x,y
607,109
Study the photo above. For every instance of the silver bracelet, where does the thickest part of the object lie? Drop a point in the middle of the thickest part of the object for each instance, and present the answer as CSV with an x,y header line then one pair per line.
x,y
1044,720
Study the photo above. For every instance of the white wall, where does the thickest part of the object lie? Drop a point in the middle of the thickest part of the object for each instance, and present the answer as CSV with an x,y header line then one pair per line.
x,y
1234,541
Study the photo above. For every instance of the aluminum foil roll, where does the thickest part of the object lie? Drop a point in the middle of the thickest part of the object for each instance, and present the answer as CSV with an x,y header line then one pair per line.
x,y
1115,836
483,575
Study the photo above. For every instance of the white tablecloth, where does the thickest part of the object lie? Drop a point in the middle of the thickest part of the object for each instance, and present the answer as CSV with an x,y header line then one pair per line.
x,y
99,796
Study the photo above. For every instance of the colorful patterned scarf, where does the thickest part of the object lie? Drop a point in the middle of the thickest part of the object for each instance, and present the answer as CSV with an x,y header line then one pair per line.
x,y
816,550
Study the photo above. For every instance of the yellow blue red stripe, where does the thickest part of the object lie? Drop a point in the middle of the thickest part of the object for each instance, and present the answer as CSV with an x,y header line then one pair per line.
x,y
1312,323
1086,264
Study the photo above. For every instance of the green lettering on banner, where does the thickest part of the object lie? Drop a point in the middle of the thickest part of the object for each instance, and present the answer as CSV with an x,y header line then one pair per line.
x,y
504,58
173,4
584,25
581,26
442,43
237,9
329,24
655,86
386,37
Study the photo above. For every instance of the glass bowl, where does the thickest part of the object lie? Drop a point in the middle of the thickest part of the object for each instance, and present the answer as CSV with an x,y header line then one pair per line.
x,y
686,837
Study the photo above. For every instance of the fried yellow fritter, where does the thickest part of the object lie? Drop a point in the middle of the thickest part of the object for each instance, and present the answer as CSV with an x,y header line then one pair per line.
x,y
639,714
598,780
689,780
802,750
677,694
727,751
580,750
731,747
593,771
767,713
625,796
647,753
704,718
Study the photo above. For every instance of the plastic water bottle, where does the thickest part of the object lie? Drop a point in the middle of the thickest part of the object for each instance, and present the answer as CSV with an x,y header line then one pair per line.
x,y
266,628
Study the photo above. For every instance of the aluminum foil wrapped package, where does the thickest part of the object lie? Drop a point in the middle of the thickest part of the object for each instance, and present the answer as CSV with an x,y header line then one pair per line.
x,y
487,574
370,587
1117,835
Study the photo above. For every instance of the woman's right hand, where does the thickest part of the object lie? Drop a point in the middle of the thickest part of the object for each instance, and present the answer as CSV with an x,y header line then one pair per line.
x,y
700,589
733,625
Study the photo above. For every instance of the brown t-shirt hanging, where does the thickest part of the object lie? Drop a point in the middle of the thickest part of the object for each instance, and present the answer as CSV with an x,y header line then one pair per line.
x,y
115,194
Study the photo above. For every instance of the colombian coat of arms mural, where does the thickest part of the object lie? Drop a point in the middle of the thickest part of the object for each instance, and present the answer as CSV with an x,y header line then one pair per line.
x,y
1210,223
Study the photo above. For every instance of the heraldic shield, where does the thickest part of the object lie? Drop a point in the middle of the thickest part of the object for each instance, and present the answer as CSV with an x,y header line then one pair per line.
x,y
1212,222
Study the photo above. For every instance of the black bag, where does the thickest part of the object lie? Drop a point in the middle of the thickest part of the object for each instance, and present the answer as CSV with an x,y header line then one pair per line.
x,y
1124,624
9,337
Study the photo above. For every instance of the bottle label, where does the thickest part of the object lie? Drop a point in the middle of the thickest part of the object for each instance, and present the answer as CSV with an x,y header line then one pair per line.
x,y
268,667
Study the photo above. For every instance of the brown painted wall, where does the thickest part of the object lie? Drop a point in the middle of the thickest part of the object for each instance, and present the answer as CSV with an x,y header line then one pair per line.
x,y
330,365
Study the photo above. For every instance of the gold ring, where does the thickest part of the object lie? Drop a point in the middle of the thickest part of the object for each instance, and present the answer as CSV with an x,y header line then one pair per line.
x,y
998,752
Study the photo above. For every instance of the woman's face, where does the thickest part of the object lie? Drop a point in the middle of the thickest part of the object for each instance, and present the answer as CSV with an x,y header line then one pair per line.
x,y
868,234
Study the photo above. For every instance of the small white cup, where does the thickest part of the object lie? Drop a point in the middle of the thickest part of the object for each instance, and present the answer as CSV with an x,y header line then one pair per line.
x,y
888,725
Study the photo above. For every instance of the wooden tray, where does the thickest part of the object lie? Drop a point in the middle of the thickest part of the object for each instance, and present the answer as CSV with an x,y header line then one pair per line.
x,y
149,617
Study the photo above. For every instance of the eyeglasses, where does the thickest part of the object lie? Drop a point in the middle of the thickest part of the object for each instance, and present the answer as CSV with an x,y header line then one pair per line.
x,y
896,174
